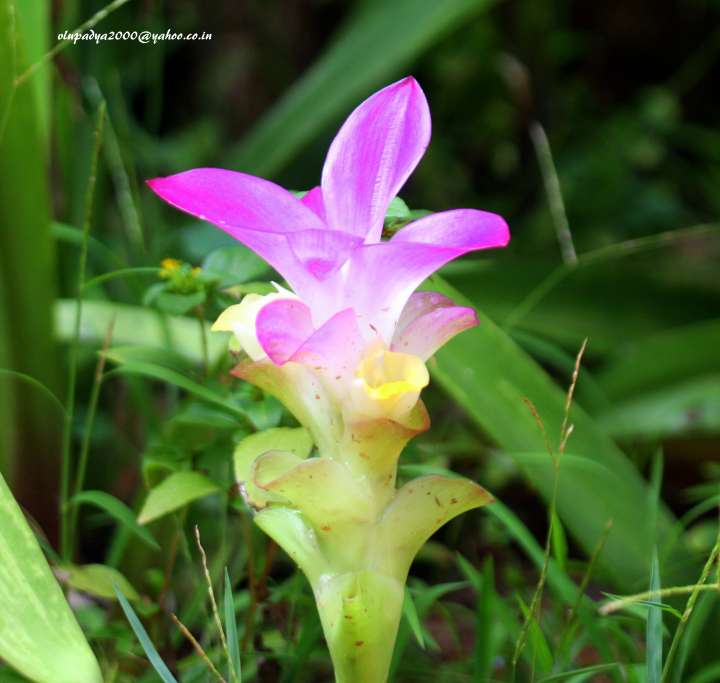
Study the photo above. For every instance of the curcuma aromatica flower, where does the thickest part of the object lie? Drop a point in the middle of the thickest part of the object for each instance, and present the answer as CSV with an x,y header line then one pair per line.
x,y
345,349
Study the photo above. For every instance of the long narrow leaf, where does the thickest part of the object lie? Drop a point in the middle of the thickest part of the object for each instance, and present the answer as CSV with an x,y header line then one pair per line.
x,y
490,376
117,510
145,642
38,632
346,72
231,630
654,629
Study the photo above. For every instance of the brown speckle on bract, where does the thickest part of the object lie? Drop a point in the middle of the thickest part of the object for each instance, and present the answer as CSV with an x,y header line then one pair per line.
x,y
359,643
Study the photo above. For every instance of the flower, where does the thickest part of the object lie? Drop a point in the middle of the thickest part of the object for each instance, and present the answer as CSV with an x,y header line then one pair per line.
x,y
345,350
352,292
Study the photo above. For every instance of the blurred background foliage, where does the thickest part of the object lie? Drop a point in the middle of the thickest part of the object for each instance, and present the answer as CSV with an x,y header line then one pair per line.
x,y
626,95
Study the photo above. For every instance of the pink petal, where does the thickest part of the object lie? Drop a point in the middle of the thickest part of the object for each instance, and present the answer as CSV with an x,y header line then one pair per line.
x,y
383,276
322,251
372,156
314,201
461,229
336,346
254,211
281,327
428,321
285,332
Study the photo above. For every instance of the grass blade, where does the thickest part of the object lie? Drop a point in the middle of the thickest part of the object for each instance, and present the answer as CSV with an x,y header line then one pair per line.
x,y
413,619
231,631
145,642
654,629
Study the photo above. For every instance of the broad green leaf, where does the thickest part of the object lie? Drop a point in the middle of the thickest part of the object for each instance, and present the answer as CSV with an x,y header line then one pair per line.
x,y
38,632
491,377
174,492
293,440
665,359
98,580
691,407
138,326
596,482
613,295
346,73
117,510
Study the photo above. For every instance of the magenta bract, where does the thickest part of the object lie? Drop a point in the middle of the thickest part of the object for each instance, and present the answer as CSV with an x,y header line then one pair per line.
x,y
328,244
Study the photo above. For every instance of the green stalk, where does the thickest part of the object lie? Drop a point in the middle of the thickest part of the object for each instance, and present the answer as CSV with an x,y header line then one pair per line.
x,y
65,533
87,433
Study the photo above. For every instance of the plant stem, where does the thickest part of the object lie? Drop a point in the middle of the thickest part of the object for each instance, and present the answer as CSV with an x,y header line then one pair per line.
x,y
689,607
65,548
87,431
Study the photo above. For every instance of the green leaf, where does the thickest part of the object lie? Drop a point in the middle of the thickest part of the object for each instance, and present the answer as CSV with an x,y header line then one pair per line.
x,y
28,280
413,620
175,303
163,374
138,326
148,354
98,580
484,586
38,632
118,511
234,265
346,73
665,359
145,642
559,543
178,490
579,675
558,580
397,211
654,630
231,630
538,652
491,377
690,407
